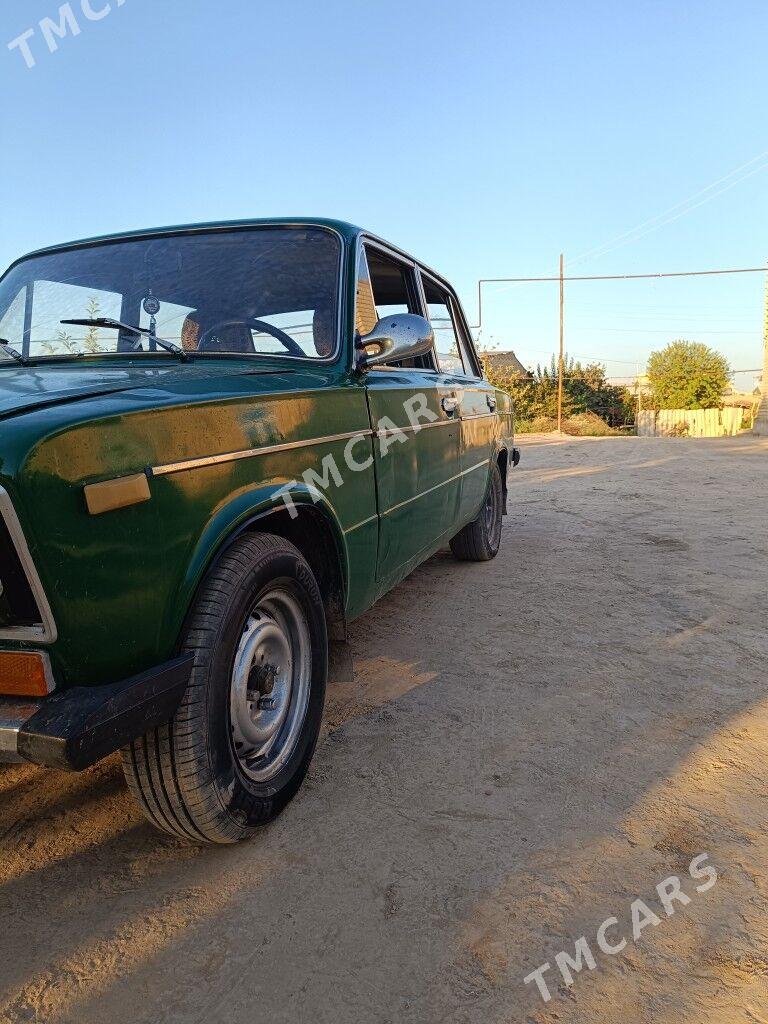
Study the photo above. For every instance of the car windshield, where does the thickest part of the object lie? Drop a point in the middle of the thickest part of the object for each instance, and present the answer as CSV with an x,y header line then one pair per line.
x,y
259,291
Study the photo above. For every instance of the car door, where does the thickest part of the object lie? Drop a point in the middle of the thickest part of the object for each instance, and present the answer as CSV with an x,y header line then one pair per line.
x,y
477,398
414,413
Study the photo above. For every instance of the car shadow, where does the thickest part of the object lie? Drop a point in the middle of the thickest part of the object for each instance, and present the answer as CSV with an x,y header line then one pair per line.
x,y
529,744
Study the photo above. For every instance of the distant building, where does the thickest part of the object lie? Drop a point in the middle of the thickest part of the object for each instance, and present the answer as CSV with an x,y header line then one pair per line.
x,y
746,399
505,361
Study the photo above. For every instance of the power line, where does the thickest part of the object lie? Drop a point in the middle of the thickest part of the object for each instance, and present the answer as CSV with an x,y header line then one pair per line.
x,y
658,330
591,312
606,277
662,219
632,376
629,277
684,207
573,355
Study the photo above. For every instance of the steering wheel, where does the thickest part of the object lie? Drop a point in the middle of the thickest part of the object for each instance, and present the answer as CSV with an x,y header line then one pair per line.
x,y
253,324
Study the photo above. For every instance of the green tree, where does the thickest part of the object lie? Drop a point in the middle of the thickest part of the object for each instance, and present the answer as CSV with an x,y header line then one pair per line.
x,y
91,340
687,375
66,341
585,389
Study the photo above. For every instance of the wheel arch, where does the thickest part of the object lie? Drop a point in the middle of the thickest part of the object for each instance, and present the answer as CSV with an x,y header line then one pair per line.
x,y
312,532
502,461
307,520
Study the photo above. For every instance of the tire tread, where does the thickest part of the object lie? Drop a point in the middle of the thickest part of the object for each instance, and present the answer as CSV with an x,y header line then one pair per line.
x,y
472,543
163,767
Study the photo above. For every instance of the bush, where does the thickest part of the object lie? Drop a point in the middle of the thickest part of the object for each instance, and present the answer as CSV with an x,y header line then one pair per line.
x,y
587,424
583,424
538,425
585,389
679,430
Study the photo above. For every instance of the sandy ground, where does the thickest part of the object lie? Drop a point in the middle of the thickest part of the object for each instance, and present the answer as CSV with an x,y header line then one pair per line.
x,y
528,746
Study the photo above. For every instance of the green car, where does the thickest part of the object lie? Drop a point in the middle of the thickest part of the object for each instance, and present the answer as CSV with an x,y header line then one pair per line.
x,y
219,444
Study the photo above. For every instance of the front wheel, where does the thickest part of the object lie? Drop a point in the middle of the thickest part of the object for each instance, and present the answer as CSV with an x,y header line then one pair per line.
x,y
480,540
240,744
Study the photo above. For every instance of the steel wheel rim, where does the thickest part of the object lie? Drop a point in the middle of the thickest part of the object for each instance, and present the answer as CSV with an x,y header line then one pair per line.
x,y
270,684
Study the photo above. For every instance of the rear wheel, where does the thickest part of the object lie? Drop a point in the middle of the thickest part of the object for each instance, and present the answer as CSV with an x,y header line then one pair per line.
x,y
240,744
480,540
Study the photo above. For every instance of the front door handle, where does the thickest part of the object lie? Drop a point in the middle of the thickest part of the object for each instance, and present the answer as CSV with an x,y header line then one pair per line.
x,y
491,400
449,404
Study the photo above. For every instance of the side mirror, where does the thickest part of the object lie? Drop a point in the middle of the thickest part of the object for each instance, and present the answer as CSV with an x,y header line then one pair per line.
x,y
400,336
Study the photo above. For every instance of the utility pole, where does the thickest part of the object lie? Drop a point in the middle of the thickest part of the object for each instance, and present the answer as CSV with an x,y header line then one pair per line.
x,y
761,422
561,366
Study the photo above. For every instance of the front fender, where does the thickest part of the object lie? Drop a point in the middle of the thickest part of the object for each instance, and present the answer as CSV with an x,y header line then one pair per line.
x,y
238,513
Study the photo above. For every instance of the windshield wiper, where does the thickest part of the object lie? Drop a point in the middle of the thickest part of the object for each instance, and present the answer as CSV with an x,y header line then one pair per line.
x,y
118,325
14,353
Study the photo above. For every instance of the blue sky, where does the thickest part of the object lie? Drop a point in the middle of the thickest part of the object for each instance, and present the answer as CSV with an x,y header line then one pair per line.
x,y
486,137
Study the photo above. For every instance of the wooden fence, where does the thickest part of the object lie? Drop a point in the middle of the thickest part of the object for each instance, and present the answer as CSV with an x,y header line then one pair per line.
x,y
690,422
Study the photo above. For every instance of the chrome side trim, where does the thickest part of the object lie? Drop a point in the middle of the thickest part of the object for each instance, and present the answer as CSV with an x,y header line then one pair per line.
x,y
429,490
383,368
14,712
391,432
408,501
45,632
249,453
480,416
351,529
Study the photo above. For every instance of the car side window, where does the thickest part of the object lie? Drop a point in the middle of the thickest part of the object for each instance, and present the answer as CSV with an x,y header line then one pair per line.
x,y
384,287
12,320
448,346
366,314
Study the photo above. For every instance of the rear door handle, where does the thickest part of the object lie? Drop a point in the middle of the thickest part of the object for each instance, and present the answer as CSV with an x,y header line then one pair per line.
x,y
449,404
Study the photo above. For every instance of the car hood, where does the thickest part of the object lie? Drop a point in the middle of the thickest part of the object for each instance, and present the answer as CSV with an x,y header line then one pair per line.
x,y
25,388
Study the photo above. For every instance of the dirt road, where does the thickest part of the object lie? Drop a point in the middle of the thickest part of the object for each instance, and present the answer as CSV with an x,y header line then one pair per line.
x,y
528,746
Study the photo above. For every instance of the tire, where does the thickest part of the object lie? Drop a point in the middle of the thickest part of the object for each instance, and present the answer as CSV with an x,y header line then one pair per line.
x,y
479,541
240,744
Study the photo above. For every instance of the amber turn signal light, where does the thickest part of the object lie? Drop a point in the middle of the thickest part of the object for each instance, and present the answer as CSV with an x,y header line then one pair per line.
x,y
25,674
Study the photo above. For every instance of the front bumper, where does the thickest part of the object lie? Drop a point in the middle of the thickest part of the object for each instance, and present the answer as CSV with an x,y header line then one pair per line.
x,y
77,727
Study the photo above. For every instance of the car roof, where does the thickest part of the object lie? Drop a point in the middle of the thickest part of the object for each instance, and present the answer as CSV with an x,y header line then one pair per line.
x,y
348,231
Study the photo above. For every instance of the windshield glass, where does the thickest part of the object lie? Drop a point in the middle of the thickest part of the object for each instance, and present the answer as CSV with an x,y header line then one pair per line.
x,y
261,291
